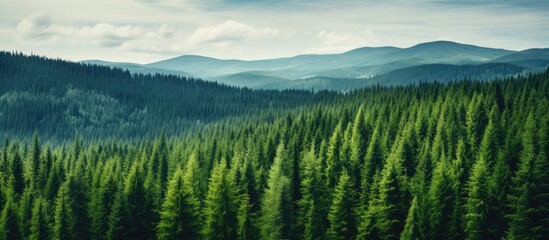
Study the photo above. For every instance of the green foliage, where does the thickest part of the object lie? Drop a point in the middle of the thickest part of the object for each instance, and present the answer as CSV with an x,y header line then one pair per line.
x,y
476,202
220,206
179,216
528,219
275,205
9,223
342,212
442,199
455,161
393,201
313,206
40,221
412,228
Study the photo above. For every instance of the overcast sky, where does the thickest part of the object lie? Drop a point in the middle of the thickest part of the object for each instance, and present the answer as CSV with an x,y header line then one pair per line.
x,y
145,31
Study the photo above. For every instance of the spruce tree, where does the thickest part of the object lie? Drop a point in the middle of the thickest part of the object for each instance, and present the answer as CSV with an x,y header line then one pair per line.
x,y
412,228
64,218
342,211
313,206
357,145
275,204
373,161
9,223
443,198
220,206
25,211
333,159
39,226
476,200
179,217
529,218
393,200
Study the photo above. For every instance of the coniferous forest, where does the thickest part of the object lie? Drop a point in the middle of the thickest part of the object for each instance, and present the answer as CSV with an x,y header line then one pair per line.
x,y
91,152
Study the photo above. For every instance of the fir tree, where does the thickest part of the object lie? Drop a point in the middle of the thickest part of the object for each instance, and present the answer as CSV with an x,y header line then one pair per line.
x,y
443,198
313,206
220,206
342,212
9,223
412,228
179,217
40,228
476,200
275,204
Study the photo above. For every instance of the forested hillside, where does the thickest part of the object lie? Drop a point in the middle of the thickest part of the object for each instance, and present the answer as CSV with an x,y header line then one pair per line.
x,y
59,99
465,160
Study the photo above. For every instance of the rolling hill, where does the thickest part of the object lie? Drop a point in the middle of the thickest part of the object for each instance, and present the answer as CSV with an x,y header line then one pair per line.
x,y
360,67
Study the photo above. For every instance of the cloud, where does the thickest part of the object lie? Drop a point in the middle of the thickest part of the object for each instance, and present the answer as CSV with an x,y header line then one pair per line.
x,y
36,27
333,42
40,28
228,32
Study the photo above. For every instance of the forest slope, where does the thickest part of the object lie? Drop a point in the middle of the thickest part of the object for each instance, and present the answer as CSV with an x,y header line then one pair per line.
x,y
463,160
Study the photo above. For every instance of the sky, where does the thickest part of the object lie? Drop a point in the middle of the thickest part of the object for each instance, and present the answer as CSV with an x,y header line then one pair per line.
x,y
145,31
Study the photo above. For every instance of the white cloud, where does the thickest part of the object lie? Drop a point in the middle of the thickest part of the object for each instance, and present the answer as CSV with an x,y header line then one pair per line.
x,y
40,28
334,42
228,32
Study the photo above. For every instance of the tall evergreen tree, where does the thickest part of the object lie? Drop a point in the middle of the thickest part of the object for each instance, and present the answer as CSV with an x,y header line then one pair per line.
x,y
529,219
64,217
476,200
313,206
443,200
333,159
276,203
412,228
40,228
393,200
9,223
179,217
342,212
220,206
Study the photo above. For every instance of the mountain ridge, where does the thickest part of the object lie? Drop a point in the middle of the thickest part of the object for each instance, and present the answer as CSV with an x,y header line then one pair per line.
x,y
359,63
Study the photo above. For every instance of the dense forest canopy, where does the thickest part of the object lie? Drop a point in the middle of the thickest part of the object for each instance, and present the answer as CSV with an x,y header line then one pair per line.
x,y
59,99
465,160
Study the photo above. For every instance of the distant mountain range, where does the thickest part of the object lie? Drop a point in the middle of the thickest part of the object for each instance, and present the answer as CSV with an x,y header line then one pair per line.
x,y
441,61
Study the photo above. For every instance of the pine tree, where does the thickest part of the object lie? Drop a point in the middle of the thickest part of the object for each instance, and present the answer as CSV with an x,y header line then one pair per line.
x,y
333,159
357,145
412,228
179,217
138,210
443,199
34,159
246,228
25,211
342,212
529,219
16,169
313,206
373,161
157,175
220,206
275,204
119,222
64,218
369,228
9,223
476,200
40,228
101,201
393,200
498,186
